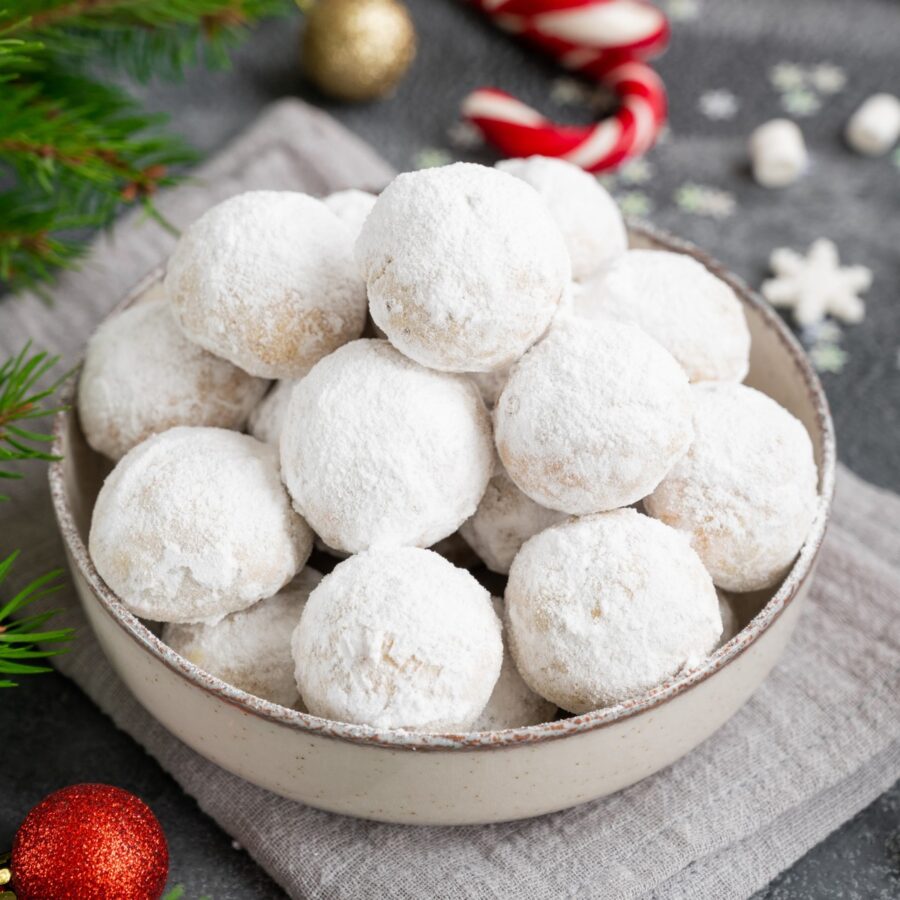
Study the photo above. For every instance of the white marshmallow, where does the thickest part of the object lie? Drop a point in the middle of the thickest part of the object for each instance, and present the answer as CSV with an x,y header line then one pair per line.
x,y
778,153
874,128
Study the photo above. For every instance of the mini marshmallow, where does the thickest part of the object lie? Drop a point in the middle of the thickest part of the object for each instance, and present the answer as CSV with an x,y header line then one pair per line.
x,y
874,128
778,153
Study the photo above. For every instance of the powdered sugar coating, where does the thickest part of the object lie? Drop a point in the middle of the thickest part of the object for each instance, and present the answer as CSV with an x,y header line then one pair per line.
x,y
504,520
352,207
194,523
251,649
464,265
267,280
512,703
603,608
587,215
398,638
267,418
745,493
377,449
679,302
141,375
593,417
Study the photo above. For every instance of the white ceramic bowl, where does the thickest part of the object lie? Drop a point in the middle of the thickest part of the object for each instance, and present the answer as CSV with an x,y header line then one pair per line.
x,y
457,778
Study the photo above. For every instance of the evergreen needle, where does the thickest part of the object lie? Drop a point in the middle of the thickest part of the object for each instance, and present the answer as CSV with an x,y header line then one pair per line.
x,y
75,148
22,396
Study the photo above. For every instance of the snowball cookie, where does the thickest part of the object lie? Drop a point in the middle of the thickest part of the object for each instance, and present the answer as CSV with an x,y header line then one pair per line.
x,y
397,637
464,265
512,704
603,608
745,492
267,280
377,449
194,524
351,207
679,302
251,649
593,417
141,375
267,418
587,215
504,520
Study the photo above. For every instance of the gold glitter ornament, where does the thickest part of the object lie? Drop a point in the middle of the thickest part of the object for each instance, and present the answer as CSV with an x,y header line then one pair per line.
x,y
357,49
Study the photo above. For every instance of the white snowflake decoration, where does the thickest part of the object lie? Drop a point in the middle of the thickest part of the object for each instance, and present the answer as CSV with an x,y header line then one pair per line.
x,y
816,285
718,104
702,200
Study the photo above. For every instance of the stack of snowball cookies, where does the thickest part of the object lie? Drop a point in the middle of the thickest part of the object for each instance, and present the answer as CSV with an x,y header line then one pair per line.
x,y
535,399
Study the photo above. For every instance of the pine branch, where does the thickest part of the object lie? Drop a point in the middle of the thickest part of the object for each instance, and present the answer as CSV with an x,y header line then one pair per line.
x,y
143,37
19,638
66,131
76,149
23,396
32,242
22,401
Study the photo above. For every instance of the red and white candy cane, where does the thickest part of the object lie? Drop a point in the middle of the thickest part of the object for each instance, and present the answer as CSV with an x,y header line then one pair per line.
x,y
606,40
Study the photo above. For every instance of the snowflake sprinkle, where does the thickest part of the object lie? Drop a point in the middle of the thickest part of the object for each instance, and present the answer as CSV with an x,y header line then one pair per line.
x,y
569,92
683,10
430,157
825,331
718,104
634,203
828,358
817,285
636,171
787,76
801,102
464,135
828,78
704,201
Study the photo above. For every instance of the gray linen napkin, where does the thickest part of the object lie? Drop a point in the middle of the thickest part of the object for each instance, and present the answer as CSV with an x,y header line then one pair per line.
x,y
818,742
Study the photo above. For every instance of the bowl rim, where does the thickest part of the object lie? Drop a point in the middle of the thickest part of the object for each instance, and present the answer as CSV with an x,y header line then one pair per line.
x,y
308,724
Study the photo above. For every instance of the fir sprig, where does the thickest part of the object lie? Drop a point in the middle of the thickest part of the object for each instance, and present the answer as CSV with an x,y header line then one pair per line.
x,y
23,396
22,399
19,637
75,148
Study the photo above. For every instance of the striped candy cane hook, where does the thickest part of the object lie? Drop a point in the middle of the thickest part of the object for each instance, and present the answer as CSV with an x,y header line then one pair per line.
x,y
605,40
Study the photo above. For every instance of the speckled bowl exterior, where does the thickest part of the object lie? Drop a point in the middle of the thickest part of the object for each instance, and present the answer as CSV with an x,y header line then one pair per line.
x,y
452,779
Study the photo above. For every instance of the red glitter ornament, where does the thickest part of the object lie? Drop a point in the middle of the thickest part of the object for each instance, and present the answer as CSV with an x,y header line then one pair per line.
x,y
90,842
